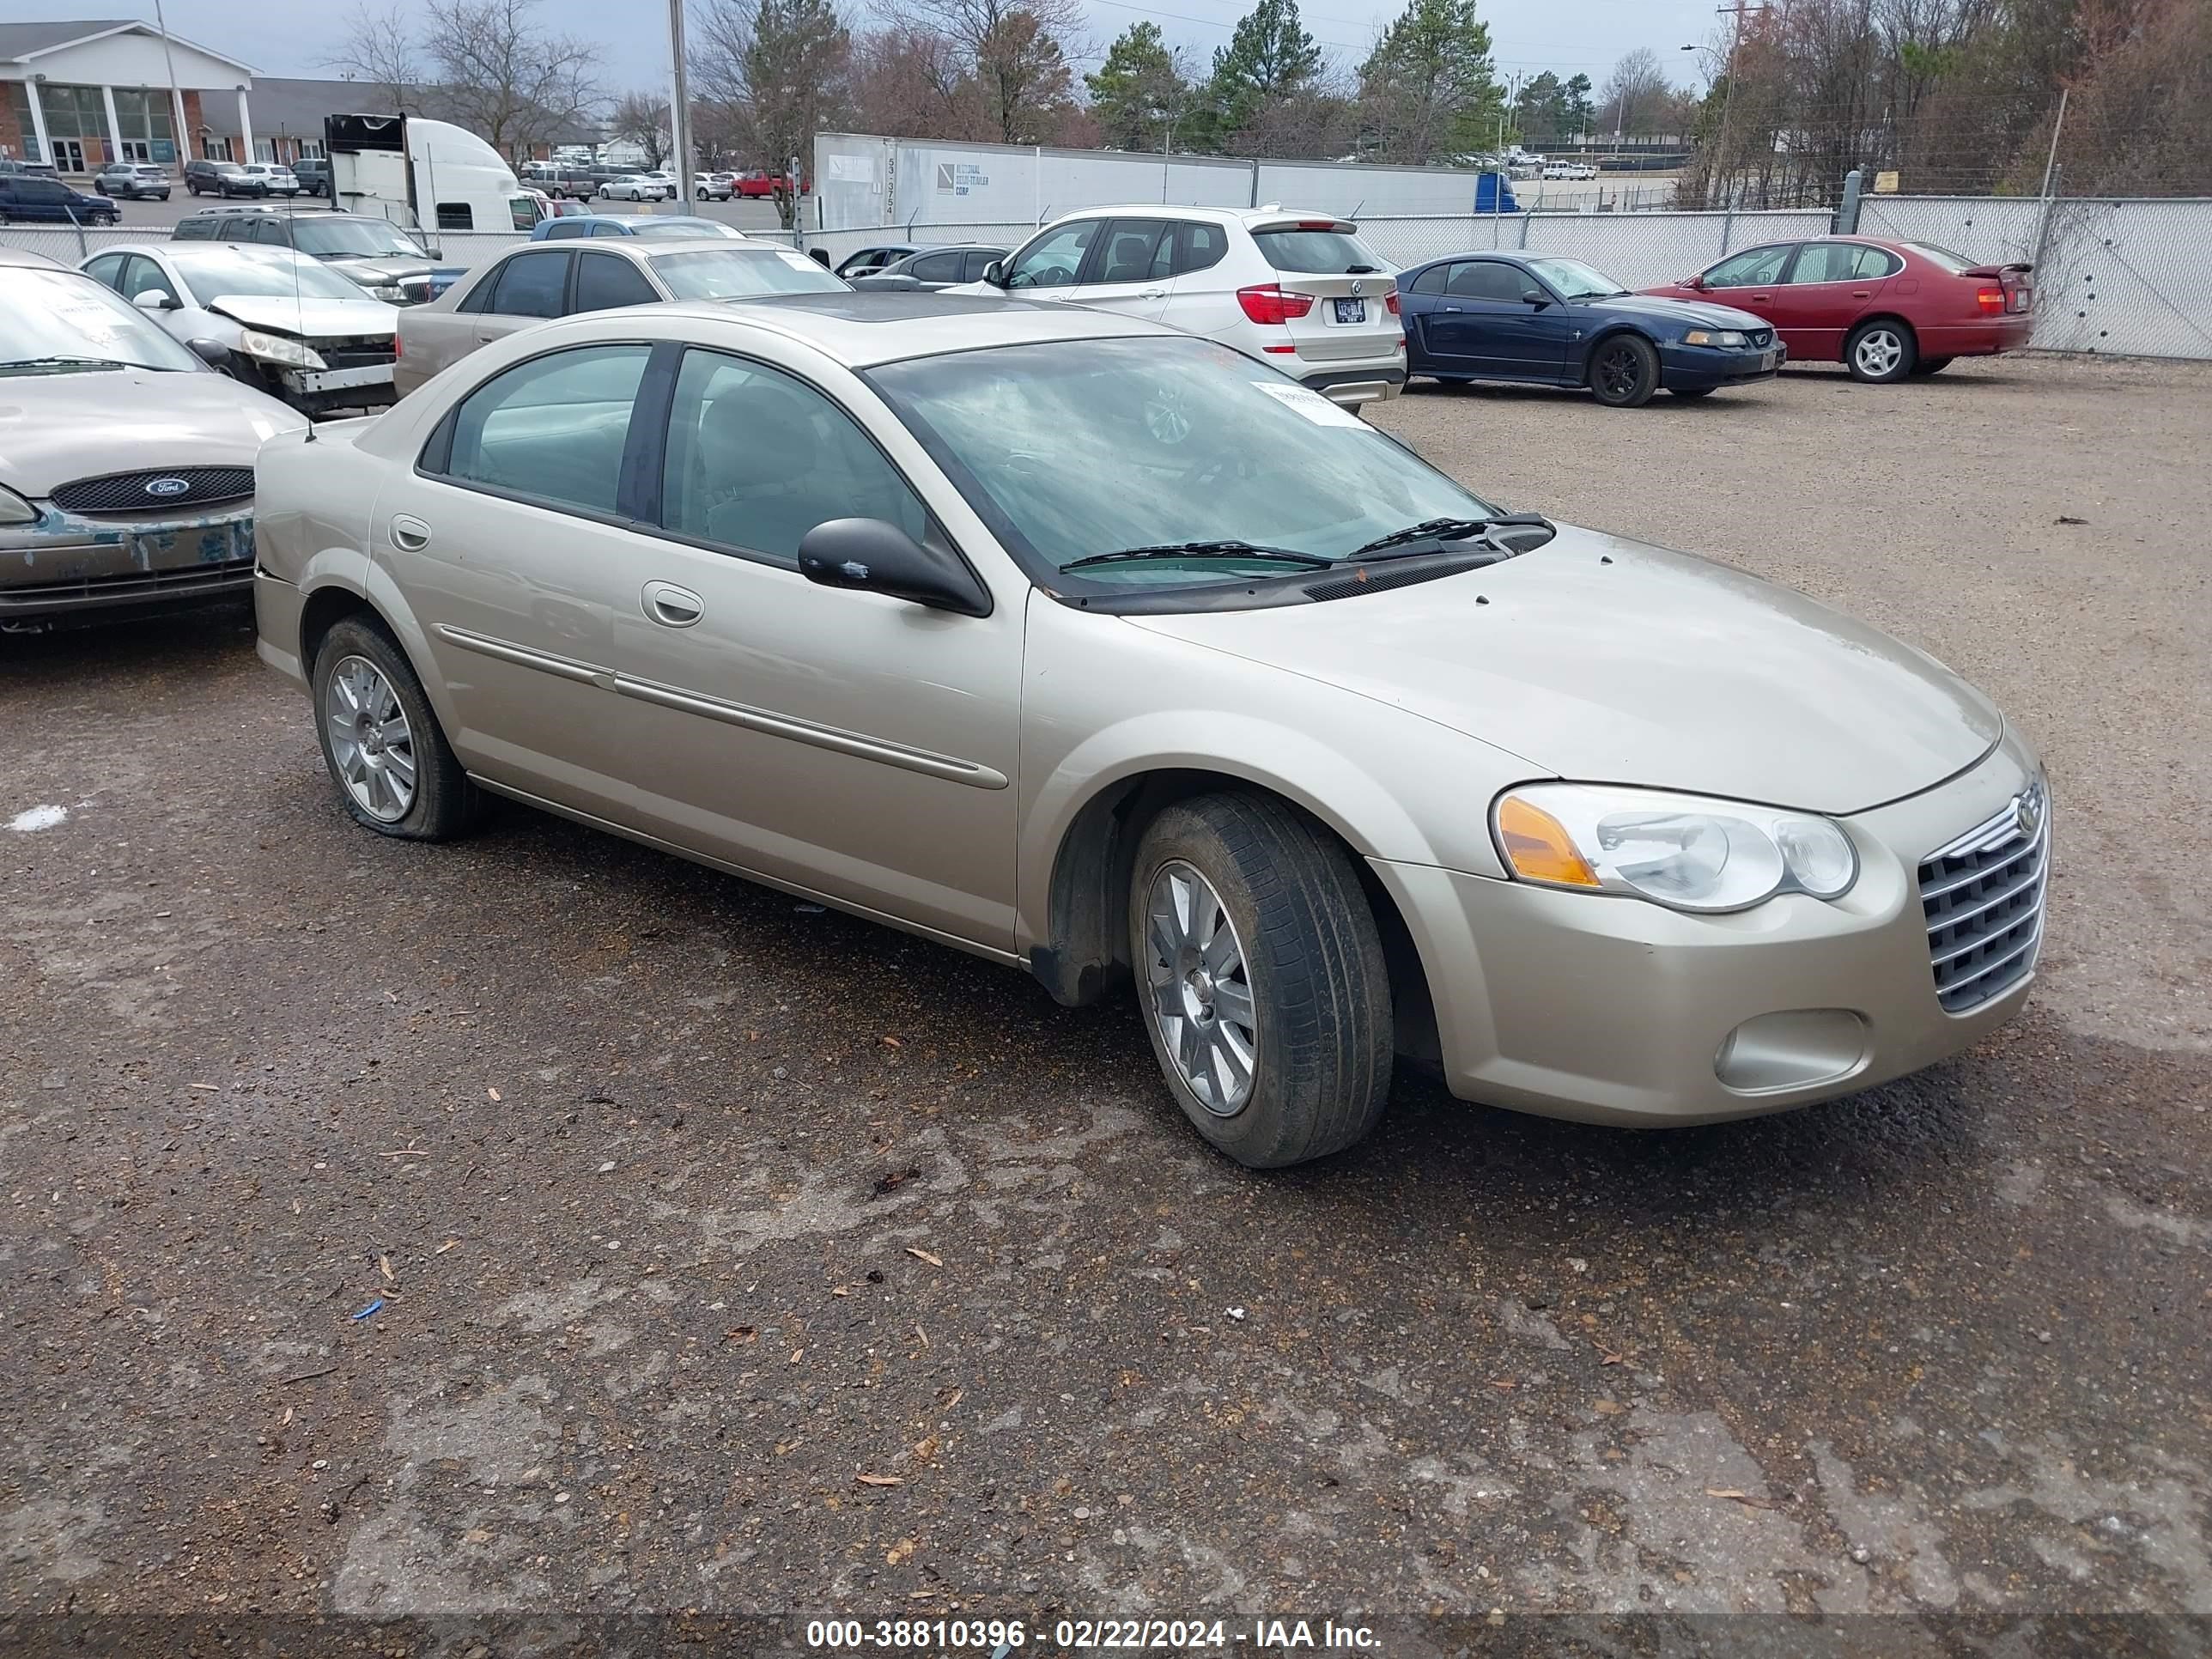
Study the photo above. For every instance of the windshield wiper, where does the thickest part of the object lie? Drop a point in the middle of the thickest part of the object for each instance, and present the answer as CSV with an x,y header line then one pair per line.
x,y
61,362
1453,529
1205,549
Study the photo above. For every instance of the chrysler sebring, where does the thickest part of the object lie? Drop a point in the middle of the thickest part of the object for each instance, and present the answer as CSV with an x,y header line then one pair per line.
x,y
1108,653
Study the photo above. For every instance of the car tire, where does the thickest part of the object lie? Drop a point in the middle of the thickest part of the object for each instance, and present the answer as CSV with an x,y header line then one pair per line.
x,y
1880,351
1932,365
1692,391
1248,890
1623,371
360,665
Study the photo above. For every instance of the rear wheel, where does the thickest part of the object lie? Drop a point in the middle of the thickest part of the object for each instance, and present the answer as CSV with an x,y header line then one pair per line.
x,y
1879,351
1932,365
1623,371
1261,978
394,768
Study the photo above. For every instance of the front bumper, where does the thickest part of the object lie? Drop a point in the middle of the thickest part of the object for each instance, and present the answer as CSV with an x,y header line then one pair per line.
x,y
66,565
1698,369
1606,1010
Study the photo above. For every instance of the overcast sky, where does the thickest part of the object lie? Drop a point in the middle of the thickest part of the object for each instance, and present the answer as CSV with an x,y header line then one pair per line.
x,y
1527,36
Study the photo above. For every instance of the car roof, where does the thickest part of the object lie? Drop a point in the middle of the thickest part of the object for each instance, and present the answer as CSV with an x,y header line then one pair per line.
x,y
860,330
23,255
1273,218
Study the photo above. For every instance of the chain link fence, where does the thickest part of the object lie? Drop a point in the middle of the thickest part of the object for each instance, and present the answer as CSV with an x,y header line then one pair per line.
x,y
2120,275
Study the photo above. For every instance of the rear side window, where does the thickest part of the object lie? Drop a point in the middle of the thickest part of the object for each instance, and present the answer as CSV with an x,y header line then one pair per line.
x,y
1431,281
194,230
1956,263
1198,247
936,268
531,285
1316,250
1128,254
270,231
1841,262
551,430
561,229
979,261
607,281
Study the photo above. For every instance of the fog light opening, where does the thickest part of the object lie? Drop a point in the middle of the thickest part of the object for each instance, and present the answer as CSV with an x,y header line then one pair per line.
x,y
1795,1049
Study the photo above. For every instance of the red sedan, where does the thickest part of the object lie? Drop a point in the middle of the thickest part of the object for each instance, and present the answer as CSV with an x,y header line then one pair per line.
x,y
1884,310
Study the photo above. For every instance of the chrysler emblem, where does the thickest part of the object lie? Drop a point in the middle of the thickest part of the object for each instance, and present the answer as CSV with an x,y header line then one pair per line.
x,y
2027,812
167,487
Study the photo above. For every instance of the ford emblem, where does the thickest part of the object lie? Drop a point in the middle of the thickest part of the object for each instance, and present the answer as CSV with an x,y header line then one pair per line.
x,y
167,487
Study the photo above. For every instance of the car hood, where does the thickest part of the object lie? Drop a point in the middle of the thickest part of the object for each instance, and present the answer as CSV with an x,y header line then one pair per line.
x,y
1607,660
1693,314
54,428
379,273
310,319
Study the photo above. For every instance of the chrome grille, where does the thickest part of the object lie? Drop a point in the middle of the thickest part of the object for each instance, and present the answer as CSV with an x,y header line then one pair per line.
x,y
156,491
1983,897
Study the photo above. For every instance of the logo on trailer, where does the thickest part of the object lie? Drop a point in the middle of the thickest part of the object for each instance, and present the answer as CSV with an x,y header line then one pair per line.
x,y
166,488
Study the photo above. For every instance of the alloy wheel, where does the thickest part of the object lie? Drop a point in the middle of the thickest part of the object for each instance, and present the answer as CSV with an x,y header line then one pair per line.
x,y
372,746
1878,353
1619,371
1197,991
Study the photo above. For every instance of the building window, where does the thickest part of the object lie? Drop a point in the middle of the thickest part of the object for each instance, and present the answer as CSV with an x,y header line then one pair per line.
x,y
19,101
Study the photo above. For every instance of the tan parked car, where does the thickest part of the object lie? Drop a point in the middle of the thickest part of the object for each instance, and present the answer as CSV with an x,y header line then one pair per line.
x,y
1109,653
546,280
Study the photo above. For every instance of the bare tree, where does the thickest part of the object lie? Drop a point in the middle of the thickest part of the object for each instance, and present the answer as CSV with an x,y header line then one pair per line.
x,y
1015,52
1633,93
909,82
641,118
775,72
380,52
504,77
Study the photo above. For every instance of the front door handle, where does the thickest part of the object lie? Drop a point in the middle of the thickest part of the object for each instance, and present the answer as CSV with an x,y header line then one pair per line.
x,y
1451,307
1860,294
673,606
410,535
1154,294
1762,296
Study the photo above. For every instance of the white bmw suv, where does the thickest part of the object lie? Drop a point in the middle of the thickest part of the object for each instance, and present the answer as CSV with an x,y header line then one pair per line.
x,y
1298,290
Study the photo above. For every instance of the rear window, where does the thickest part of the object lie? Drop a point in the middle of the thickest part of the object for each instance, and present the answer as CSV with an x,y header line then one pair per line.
x,y
1953,263
1318,251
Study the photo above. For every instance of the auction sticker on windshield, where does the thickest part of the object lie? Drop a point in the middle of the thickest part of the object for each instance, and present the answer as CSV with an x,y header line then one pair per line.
x,y
1311,404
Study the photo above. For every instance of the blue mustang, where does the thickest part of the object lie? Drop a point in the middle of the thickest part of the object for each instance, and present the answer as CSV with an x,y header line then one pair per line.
x,y
1487,316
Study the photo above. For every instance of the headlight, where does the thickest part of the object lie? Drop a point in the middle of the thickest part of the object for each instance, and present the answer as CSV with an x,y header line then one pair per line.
x,y
1686,852
276,349
14,510
391,293
1714,336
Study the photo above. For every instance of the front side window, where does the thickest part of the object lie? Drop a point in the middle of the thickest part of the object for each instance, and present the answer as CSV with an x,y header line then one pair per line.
x,y
979,261
531,285
1755,269
551,430
757,458
561,229
141,275
1485,279
1209,446
1054,260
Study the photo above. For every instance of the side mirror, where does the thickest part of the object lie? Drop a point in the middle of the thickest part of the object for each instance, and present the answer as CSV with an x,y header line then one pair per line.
x,y
213,353
1536,297
995,273
872,557
1693,281
153,298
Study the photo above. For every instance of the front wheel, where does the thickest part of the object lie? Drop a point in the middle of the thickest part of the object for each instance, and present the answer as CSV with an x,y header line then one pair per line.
x,y
394,768
1879,351
1932,365
1262,979
1623,371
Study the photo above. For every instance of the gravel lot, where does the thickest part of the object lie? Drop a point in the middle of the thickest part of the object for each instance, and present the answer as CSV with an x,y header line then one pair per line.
x,y
687,1208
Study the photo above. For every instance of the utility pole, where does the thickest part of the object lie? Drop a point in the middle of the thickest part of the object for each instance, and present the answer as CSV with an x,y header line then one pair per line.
x,y
679,109
176,94
1728,98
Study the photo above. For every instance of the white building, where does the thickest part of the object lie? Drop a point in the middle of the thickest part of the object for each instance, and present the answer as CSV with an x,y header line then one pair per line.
x,y
76,94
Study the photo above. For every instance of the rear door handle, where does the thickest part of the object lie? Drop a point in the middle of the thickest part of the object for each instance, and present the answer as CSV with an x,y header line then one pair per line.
x,y
1861,292
673,606
1762,296
410,535
1451,307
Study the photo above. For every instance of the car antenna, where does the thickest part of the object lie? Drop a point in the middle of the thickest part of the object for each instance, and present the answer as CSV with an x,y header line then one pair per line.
x,y
299,301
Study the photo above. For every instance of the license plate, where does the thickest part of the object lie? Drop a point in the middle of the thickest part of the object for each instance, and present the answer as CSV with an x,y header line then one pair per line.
x,y
1352,311
1766,360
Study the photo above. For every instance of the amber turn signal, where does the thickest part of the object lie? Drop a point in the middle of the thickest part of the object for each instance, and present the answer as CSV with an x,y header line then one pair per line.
x,y
1538,847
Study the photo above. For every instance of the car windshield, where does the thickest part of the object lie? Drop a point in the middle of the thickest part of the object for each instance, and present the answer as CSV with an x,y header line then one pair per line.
x,y
716,273
686,226
1209,447
349,236
277,273
58,320
1954,263
1334,251
1576,280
